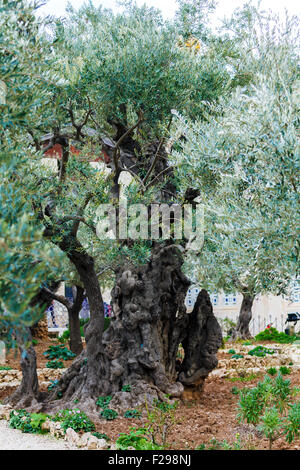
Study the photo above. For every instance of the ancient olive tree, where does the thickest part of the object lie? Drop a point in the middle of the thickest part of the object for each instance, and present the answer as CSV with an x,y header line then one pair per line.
x,y
113,84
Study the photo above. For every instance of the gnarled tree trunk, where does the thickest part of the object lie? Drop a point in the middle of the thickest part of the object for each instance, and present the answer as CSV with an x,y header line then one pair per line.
x,y
140,346
242,329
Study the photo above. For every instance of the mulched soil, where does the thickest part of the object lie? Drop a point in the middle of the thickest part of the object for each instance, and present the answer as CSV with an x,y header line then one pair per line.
x,y
212,416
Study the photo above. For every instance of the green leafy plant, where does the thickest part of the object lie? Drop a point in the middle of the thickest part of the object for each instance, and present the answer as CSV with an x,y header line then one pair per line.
x,y
284,370
55,364
103,402
272,371
260,351
132,414
5,368
53,385
74,419
138,438
108,414
237,356
271,334
161,419
235,390
126,388
26,422
266,405
271,425
59,352
292,424
231,351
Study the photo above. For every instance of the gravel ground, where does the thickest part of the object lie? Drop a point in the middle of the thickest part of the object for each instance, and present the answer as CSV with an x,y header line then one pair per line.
x,y
13,439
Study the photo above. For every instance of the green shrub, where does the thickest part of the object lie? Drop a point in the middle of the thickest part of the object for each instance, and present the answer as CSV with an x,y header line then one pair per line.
x,y
132,414
231,351
266,405
59,352
126,388
284,370
74,419
237,356
272,371
271,334
55,364
34,342
235,390
108,414
292,424
5,368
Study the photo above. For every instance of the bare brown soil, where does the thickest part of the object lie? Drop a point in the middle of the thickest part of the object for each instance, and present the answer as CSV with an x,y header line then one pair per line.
x,y
212,416
13,356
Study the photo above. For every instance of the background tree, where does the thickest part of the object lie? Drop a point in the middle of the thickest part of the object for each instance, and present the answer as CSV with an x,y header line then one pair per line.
x,y
244,161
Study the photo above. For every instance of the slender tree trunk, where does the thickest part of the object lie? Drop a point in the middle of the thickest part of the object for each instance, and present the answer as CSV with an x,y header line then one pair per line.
x,y
27,393
74,322
242,329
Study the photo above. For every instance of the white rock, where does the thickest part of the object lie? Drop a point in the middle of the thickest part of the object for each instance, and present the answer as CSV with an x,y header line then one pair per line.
x,y
72,437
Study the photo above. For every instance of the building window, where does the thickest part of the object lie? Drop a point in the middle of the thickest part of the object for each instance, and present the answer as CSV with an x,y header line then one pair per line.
x,y
230,299
214,299
191,296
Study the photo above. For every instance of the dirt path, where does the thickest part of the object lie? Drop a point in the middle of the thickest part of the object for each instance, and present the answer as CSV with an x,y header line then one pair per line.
x,y
12,439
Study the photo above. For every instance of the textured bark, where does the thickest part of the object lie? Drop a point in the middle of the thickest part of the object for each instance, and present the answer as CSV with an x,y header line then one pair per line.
x,y
201,345
242,329
27,393
140,346
88,376
74,322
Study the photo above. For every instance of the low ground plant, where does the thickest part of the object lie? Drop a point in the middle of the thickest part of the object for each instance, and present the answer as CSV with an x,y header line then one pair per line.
x,y
138,438
27,422
269,407
284,370
161,419
132,414
214,444
271,371
75,419
59,352
260,351
108,414
55,364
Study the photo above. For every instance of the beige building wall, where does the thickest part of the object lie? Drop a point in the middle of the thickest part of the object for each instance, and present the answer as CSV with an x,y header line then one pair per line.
x,y
266,309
